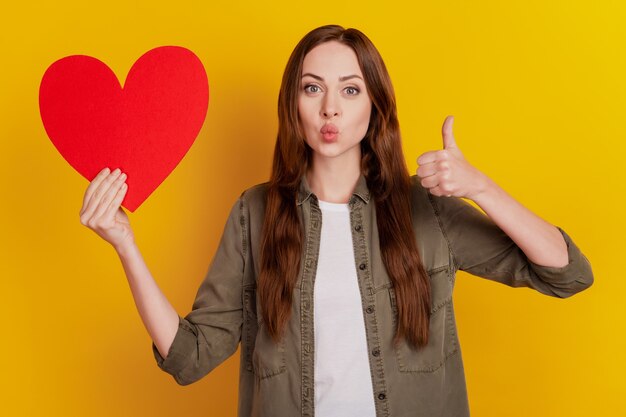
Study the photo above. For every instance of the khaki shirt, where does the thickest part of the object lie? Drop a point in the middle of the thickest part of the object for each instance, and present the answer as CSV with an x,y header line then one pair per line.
x,y
277,380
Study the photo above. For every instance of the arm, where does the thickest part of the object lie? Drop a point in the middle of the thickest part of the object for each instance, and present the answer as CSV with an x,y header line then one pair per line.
x,y
211,332
480,247
102,213
511,244
190,347
542,242
157,314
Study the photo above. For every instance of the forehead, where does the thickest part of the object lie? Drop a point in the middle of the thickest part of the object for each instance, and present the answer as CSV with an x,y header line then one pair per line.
x,y
331,59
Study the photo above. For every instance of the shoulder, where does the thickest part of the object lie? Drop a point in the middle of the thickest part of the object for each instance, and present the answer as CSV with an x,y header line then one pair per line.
x,y
255,194
427,224
419,194
252,202
426,206
421,199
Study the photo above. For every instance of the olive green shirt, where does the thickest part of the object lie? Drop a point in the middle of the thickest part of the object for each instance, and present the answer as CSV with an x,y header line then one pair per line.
x,y
277,380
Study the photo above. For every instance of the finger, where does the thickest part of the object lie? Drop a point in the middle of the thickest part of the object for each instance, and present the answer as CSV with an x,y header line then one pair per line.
x,y
115,204
427,170
441,190
109,196
430,182
427,157
434,156
94,201
441,166
93,185
446,133
436,190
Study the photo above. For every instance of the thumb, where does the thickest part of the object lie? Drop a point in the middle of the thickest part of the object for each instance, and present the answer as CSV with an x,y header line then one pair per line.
x,y
446,132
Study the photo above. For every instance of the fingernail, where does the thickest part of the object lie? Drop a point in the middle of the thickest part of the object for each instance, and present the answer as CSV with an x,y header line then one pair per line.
x,y
117,171
106,170
123,175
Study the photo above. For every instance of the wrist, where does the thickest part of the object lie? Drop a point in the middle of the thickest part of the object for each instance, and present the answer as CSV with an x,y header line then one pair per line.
x,y
125,249
485,189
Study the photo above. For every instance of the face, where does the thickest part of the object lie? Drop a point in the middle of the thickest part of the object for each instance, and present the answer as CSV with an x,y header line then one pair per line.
x,y
333,103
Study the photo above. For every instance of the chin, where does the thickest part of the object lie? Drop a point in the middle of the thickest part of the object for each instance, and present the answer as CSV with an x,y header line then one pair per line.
x,y
332,149
331,153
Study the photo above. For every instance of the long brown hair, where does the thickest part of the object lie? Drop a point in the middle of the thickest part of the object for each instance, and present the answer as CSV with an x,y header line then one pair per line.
x,y
388,180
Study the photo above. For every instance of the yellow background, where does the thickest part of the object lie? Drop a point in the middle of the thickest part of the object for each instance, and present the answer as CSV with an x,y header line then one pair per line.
x,y
538,93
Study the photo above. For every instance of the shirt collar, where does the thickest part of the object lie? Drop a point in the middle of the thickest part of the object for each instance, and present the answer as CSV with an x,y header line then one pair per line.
x,y
360,190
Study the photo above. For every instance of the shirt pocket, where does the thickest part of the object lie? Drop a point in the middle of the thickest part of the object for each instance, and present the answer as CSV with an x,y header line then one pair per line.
x,y
262,356
442,336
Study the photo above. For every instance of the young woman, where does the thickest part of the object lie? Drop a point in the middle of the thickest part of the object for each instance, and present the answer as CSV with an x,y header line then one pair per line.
x,y
336,275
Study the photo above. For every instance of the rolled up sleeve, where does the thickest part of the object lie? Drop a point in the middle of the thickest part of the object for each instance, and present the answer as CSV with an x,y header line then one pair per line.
x,y
185,342
571,278
479,247
211,332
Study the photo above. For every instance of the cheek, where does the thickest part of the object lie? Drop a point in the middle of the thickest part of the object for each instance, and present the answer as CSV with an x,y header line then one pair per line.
x,y
304,112
363,117
306,120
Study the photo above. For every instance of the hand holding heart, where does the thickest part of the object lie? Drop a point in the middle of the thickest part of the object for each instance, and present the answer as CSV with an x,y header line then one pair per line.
x,y
446,172
101,211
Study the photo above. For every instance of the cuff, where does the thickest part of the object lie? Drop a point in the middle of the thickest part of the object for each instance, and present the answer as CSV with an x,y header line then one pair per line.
x,y
183,345
576,275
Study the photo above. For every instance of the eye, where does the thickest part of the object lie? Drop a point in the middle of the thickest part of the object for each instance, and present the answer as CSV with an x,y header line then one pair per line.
x,y
311,88
352,91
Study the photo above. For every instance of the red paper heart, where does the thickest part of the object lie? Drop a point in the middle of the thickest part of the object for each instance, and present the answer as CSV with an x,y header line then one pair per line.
x,y
144,128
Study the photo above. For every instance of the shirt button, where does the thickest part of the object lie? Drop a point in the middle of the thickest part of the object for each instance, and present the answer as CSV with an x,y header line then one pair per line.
x,y
357,228
369,309
362,267
376,352
382,396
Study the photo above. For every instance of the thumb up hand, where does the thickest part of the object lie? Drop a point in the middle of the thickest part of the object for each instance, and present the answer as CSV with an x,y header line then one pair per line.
x,y
446,172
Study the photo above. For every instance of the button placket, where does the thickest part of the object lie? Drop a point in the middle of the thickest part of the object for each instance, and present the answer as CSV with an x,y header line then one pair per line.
x,y
360,214
306,302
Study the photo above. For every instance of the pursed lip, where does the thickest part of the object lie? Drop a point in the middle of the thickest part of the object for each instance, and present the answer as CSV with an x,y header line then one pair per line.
x,y
329,128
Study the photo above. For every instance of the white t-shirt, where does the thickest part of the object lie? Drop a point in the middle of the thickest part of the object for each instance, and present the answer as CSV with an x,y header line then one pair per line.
x,y
343,384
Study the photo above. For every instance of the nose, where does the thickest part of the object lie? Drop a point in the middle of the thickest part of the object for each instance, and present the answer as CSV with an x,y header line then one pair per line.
x,y
330,107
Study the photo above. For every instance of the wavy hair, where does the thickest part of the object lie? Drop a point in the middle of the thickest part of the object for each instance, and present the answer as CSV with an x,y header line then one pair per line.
x,y
388,180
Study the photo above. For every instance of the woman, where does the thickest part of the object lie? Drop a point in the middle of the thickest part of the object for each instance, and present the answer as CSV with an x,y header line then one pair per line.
x,y
336,275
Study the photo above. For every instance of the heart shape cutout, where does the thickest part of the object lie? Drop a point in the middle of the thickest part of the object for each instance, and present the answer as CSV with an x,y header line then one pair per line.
x,y
145,128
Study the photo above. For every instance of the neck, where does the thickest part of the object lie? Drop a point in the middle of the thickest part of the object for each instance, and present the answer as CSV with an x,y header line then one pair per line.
x,y
333,181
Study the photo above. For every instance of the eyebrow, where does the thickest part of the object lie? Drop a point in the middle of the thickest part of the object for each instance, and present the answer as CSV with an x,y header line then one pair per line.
x,y
344,78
